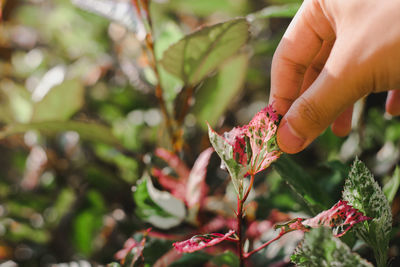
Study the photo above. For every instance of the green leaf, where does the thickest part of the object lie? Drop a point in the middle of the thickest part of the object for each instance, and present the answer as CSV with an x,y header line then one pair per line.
x,y
320,249
391,187
157,207
16,103
219,91
196,259
171,85
60,103
204,8
303,184
363,193
63,204
86,130
154,249
228,258
88,223
195,56
284,11
225,152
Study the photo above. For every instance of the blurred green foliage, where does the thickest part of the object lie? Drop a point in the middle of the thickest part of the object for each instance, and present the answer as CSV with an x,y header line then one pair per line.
x,y
80,121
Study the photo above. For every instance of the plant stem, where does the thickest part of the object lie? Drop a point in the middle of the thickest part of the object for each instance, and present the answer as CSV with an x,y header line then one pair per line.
x,y
262,246
239,215
249,188
153,63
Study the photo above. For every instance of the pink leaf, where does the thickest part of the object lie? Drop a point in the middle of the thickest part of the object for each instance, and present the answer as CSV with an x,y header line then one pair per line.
x,y
237,139
176,186
341,217
128,246
168,258
174,162
262,135
134,247
198,242
196,187
254,145
293,225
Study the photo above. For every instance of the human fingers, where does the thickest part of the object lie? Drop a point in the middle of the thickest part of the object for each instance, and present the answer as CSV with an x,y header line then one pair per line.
x,y
299,46
337,87
342,125
314,69
393,102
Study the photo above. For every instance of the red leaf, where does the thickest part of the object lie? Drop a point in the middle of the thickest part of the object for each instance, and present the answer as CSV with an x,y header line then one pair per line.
x,y
174,162
236,138
341,217
293,225
128,246
198,242
176,186
132,246
254,145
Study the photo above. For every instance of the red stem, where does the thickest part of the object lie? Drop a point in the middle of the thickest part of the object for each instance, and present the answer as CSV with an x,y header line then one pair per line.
x,y
246,255
249,188
240,215
239,231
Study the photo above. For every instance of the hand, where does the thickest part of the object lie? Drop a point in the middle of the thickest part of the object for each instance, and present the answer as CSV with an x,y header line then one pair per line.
x,y
333,53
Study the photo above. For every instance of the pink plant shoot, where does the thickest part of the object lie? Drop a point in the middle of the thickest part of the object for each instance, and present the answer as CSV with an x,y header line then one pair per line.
x,y
131,246
249,149
199,242
341,218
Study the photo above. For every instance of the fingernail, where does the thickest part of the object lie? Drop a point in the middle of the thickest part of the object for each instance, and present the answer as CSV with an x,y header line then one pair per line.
x,y
288,140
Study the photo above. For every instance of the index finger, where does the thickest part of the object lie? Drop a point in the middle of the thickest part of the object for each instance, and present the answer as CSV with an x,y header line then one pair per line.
x,y
299,46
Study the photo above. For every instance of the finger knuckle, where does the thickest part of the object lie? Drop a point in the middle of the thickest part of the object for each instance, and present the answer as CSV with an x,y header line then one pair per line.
x,y
310,113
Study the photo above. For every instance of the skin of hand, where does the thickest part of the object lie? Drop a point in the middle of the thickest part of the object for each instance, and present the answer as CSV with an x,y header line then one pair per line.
x,y
333,53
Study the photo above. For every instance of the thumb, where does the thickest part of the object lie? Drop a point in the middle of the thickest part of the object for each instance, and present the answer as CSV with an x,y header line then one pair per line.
x,y
334,91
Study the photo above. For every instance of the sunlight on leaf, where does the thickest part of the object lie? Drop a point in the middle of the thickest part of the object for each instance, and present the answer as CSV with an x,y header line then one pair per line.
x,y
218,92
249,149
121,12
60,103
224,150
363,193
196,55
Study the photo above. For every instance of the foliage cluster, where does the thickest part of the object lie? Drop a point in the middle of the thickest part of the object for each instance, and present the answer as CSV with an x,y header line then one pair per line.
x,y
106,156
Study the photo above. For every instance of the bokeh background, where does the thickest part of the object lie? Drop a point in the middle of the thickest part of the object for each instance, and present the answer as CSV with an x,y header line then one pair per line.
x,y
80,123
